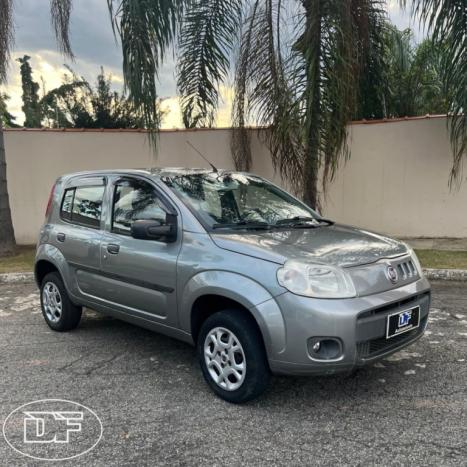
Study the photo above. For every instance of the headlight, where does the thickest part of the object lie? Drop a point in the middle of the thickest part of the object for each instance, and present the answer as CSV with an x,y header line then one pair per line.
x,y
315,280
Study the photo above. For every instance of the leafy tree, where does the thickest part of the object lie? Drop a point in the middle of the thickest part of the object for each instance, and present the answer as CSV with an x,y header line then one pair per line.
x,y
7,119
77,104
427,73
447,21
413,76
31,105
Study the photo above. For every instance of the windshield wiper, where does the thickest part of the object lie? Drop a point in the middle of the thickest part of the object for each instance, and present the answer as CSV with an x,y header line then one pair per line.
x,y
302,221
243,225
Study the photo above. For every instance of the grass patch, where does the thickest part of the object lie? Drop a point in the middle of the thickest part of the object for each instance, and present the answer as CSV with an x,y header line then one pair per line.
x,y
23,261
441,259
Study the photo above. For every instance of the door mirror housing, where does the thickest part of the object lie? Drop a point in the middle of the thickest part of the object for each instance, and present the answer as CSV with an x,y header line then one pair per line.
x,y
154,230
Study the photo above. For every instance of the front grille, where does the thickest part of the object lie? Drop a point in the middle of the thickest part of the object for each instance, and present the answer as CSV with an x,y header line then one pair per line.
x,y
406,303
375,347
406,270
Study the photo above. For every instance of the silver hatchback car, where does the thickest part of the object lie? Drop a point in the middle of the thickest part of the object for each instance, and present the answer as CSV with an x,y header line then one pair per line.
x,y
227,261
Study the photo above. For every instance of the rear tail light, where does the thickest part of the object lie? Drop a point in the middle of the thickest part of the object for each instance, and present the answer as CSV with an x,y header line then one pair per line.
x,y
49,202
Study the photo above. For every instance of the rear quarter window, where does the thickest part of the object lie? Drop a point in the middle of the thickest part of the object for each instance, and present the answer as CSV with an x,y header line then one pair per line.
x,y
67,204
83,205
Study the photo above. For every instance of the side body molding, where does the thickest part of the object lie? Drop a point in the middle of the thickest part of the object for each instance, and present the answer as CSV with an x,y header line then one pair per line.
x,y
245,291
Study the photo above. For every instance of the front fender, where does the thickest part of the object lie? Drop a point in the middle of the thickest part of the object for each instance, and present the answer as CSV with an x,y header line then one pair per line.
x,y
249,293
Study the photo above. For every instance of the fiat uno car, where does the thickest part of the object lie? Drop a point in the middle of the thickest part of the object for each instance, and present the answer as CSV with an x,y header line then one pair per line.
x,y
227,261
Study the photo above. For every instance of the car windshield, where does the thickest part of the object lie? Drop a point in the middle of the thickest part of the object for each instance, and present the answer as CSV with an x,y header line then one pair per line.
x,y
234,200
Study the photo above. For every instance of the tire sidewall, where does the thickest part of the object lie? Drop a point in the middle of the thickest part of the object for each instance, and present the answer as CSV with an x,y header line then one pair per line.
x,y
257,370
70,313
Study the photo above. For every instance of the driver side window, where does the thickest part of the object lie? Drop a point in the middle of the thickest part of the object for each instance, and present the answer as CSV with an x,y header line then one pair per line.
x,y
135,200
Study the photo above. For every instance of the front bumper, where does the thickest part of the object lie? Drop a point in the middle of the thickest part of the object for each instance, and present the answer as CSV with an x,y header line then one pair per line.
x,y
358,323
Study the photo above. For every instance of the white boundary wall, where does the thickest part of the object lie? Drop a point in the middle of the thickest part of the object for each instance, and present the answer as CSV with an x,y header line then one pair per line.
x,y
396,181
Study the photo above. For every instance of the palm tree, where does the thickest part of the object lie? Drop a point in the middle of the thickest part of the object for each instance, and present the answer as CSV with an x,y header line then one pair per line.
x,y
60,13
301,70
7,236
447,20
304,89
298,70
407,82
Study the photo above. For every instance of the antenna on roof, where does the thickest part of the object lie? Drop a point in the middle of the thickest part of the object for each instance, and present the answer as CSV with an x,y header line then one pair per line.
x,y
205,158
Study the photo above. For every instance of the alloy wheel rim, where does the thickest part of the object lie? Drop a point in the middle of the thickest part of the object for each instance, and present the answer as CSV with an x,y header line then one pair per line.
x,y
225,358
52,302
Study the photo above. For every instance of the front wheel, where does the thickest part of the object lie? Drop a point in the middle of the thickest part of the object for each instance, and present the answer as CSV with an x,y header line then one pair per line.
x,y
232,356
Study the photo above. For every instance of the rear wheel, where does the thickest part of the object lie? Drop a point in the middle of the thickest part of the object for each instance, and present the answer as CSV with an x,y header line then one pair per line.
x,y
232,356
58,310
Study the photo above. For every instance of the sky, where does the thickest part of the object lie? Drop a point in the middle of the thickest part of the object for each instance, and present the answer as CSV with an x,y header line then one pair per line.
x,y
94,46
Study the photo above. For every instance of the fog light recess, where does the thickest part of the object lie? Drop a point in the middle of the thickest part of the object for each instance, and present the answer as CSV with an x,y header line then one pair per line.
x,y
324,348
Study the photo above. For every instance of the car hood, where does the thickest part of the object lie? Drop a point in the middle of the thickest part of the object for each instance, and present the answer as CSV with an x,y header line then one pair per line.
x,y
339,245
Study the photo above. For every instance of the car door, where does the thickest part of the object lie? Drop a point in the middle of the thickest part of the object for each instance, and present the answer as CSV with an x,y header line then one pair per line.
x,y
139,276
78,232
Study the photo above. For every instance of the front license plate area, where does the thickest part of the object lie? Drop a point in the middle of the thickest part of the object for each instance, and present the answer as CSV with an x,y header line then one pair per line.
x,y
402,321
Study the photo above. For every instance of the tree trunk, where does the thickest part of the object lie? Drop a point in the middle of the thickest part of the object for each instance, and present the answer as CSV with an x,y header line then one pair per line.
x,y
311,49
310,175
7,234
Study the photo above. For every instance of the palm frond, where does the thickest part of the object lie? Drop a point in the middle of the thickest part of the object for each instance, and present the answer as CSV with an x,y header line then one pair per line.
x,y
332,52
208,33
372,30
264,97
241,139
6,35
60,11
447,20
146,29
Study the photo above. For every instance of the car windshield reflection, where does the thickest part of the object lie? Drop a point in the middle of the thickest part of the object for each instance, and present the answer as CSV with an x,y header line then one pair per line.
x,y
233,200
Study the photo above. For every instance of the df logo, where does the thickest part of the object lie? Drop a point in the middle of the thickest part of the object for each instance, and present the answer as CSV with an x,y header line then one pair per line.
x,y
52,429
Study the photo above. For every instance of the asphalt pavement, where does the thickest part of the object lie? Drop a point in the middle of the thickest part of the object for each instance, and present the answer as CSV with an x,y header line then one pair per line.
x,y
147,389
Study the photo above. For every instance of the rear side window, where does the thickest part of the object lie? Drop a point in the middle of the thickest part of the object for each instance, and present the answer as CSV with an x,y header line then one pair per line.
x,y
83,205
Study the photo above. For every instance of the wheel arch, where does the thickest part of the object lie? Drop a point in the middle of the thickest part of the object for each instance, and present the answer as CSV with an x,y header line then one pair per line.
x,y
42,268
206,305
49,259
212,291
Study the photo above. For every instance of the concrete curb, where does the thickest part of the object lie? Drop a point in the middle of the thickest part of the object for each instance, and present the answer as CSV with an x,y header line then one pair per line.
x,y
17,278
431,274
446,274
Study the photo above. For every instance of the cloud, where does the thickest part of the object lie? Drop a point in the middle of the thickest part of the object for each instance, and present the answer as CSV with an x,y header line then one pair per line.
x,y
94,45
91,33
173,113
402,18
48,70
92,41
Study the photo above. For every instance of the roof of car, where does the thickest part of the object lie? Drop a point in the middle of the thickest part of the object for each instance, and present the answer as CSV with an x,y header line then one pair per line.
x,y
173,171
158,172
155,172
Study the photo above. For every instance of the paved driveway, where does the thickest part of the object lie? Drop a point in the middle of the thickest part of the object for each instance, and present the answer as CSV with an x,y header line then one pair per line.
x,y
156,409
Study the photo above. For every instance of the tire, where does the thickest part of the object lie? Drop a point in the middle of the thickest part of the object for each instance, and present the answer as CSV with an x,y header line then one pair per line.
x,y
229,328
57,309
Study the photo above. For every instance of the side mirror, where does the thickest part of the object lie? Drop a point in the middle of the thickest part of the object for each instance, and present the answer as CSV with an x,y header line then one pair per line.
x,y
153,230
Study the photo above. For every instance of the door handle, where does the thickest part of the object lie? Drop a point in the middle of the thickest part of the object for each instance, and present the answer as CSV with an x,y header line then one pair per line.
x,y
113,249
61,237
